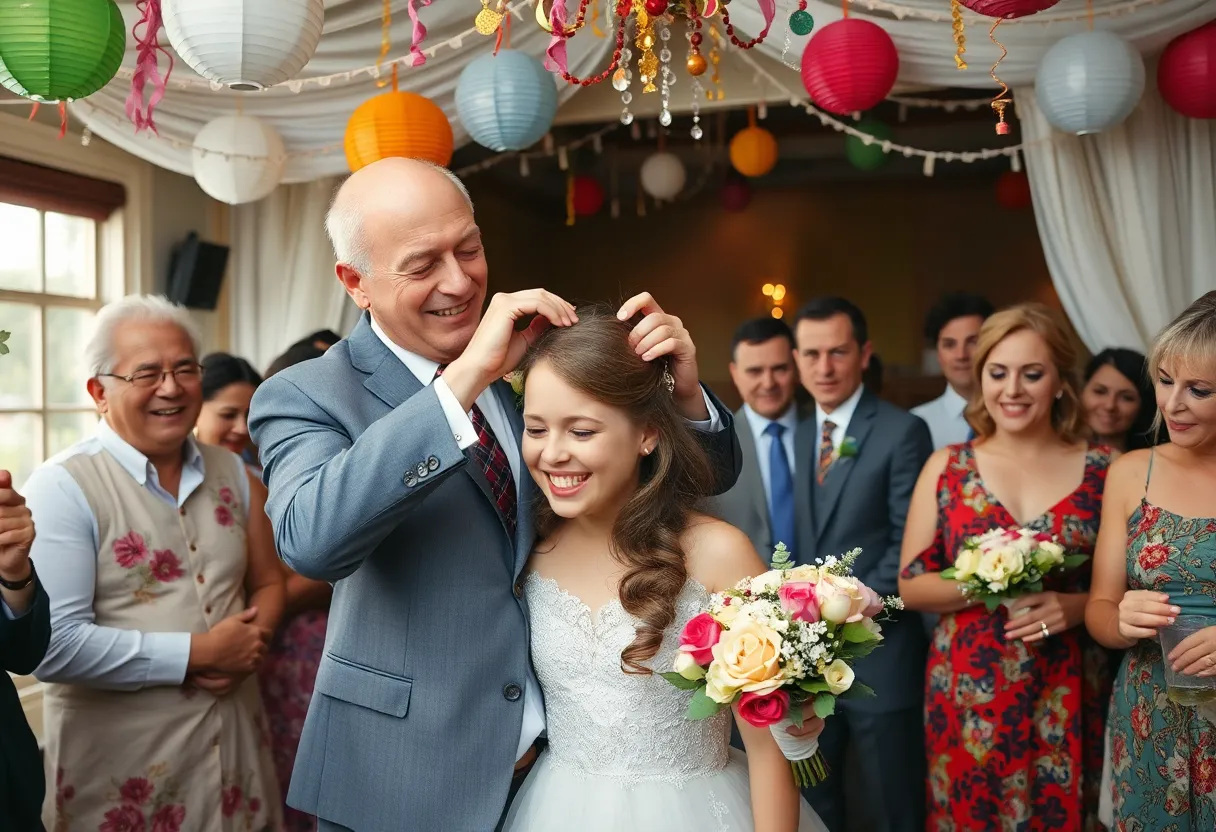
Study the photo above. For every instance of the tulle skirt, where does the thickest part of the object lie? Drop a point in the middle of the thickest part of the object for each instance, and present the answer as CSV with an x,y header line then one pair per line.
x,y
555,799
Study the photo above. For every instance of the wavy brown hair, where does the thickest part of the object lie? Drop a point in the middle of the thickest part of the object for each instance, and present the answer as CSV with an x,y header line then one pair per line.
x,y
1067,417
594,357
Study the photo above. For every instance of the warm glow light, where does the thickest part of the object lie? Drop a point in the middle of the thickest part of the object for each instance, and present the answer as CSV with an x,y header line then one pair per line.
x,y
778,311
768,289
778,292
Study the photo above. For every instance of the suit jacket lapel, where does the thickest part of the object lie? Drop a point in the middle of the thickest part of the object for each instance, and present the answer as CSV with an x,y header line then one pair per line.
x,y
388,379
806,450
753,482
838,475
525,488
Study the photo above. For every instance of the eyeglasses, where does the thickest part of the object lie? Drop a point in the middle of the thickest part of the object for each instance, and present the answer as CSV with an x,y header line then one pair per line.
x,y
185,375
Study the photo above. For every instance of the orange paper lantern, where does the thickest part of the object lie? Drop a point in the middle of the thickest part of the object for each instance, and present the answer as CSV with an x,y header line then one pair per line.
x,y
753,150
398,124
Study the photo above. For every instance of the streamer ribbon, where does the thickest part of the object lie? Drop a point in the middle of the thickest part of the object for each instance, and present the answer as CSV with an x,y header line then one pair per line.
x,y
147,68
555,55
419,34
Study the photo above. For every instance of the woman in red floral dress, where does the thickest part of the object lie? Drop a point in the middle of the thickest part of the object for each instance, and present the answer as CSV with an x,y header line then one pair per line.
x,y
1014,707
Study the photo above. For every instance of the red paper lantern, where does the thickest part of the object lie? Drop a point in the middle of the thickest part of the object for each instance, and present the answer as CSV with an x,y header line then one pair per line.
x,y
1008,9
736,195
849,65
588,196
1186,75
1013,191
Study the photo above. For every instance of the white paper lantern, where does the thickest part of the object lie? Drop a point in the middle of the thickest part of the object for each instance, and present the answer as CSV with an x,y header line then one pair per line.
x,y
663,176
238,159
1089,82
245,44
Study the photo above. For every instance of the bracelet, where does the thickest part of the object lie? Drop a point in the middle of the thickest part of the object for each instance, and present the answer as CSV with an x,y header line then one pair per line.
x,y
16,586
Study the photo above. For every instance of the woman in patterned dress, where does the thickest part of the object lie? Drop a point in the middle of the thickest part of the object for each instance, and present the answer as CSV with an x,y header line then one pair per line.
x,y
1014,706
1156,559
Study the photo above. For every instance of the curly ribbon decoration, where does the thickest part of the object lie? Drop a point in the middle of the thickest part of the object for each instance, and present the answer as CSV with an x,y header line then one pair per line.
x,y
1000,102
595,20
960,39
419,33
63,117
570,198
504,33
386,39
147,67
555,55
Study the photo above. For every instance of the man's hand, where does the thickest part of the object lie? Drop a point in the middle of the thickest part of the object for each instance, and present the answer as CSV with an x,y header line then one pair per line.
x,y
812,726
497,347
16,532
660,334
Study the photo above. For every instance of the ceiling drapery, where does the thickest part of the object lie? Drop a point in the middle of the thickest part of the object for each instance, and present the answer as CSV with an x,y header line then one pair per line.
x,y
312,120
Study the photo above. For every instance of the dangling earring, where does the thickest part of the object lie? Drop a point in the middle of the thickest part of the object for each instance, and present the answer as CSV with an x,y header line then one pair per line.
x,y
1059,394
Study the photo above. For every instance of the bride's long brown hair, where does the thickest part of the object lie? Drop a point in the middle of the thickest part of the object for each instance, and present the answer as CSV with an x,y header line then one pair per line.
x,y
594,357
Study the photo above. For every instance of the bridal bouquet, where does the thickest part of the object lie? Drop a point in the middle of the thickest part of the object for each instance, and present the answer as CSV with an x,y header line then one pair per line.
x,y
1002,564
778,641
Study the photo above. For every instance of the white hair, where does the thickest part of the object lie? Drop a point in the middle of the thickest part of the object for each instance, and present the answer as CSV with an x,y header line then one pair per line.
x,y
344,223
153,309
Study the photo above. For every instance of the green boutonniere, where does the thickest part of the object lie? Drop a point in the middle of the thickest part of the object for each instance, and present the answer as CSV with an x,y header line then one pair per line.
x,y
3,347
847,449
516,380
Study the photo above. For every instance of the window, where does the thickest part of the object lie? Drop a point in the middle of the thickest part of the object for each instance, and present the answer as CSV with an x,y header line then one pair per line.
x,y
50,291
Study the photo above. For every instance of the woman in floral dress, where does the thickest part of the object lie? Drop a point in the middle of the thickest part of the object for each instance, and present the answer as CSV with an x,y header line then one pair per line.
x,y
1156,559
1014,707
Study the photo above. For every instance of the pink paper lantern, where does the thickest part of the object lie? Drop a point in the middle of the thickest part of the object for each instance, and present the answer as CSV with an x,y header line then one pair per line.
x,y
849,65
1008,9
1186,75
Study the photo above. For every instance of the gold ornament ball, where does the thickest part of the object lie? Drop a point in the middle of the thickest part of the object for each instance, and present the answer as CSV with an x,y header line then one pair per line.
x,y
696,64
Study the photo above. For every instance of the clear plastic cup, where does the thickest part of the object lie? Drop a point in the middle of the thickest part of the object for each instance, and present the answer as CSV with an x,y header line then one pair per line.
x,y
1183,689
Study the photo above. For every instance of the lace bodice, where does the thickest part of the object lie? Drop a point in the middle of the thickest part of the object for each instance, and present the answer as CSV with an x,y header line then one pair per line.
x,y
603,721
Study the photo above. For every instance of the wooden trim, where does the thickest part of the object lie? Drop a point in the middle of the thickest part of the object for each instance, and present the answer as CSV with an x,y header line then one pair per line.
x,y
50,189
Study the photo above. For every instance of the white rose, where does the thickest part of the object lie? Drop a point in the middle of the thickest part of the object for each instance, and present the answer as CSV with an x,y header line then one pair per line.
x,y
966,563
804,572
999,566
687,667
726,613
768,582
1049,554
838,676
873,627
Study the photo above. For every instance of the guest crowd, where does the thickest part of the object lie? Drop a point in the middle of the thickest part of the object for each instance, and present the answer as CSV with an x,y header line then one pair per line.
x,y
179,653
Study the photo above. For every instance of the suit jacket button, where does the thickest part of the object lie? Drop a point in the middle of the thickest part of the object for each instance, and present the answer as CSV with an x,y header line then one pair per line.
x,y
422,470
512,692
410,479
432,463
519,588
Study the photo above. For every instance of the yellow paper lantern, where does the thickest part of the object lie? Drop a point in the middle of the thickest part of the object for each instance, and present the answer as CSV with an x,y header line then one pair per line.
x,y
398,124
753,150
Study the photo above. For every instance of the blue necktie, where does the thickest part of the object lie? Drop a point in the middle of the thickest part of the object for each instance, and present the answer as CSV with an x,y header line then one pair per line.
x,y
781,492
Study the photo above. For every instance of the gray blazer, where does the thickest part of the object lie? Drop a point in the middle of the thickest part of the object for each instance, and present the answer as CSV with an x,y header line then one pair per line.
x,y
415,719
863,502
745,505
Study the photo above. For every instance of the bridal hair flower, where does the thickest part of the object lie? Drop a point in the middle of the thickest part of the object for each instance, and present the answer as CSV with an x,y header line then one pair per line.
x,y
515,378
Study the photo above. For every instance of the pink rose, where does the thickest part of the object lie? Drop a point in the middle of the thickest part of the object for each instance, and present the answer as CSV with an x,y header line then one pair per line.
x,y
799,600
872,603
137,790
764,710
168,818
700,635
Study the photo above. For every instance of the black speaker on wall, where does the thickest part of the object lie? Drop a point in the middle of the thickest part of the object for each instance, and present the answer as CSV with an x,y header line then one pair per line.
x,y
196,271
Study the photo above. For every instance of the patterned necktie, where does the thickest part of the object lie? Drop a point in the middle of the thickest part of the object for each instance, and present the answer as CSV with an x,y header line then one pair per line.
x,y
826,449
493,461
781,490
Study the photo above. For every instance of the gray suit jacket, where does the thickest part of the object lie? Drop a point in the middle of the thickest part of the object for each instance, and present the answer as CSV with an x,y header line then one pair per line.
x,y
745,505
415,719
863,502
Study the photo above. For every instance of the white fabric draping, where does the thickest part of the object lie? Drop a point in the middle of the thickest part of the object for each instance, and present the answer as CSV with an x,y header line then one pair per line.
x,y
1127,217
282,274
313,120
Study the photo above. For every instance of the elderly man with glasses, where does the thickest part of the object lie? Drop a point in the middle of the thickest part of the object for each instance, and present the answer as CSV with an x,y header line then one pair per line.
x,y
158,558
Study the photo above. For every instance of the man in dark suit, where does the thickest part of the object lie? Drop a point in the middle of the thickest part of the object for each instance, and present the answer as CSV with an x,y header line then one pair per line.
x,y
25,631
858,460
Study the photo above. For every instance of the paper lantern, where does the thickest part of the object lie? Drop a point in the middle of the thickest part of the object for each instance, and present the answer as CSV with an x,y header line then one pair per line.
x,y
736,195
1008,9
1186,75
244,44
506,101
1013,191
663,176
849,65
1088,82
588,196
59,50
398,124
868,156
753,151
238,159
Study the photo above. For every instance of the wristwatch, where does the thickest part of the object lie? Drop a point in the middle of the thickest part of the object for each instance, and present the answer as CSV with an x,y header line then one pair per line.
x,y
21,584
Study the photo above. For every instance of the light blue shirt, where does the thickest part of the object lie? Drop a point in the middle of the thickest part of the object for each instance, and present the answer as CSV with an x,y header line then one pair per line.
x,y
764,442
944,416
65,551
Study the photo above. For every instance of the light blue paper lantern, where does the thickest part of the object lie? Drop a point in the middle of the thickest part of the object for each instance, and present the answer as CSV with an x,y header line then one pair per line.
x,y
506,101
1089,82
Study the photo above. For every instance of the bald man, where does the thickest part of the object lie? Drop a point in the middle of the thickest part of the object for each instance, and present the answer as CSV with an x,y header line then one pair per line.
x,y
394,473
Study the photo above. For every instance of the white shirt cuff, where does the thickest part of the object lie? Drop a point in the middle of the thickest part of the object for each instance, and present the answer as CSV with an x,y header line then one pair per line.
x,y
458,419
168,657
711,425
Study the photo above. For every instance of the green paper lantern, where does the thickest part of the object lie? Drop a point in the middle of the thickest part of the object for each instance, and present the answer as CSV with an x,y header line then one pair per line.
x,y
868,156
59,50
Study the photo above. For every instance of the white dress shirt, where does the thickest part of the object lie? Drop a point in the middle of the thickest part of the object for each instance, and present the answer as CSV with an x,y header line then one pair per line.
x,y
840,417
944,416
764,443
65,552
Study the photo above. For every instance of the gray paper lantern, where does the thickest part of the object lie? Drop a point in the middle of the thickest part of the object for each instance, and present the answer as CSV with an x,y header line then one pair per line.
x,y
1089,82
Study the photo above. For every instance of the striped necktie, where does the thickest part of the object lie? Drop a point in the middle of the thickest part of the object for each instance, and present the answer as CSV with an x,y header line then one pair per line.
x,y
826,449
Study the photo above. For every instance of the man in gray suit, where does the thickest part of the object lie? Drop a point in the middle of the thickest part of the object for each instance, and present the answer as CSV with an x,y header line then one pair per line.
x,y
762,501
858,461
394,472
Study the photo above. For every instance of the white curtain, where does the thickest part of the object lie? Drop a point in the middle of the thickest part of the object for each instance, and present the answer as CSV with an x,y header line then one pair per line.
x,y
1127,217
283,272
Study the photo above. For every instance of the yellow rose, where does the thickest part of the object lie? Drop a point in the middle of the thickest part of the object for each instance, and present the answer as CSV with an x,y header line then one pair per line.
x,y
718,686
687,666
725,615
747,656
805,572
840,598
966,563
838,676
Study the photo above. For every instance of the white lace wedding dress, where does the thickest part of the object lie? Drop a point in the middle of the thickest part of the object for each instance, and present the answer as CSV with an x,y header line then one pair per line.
x,y
621,755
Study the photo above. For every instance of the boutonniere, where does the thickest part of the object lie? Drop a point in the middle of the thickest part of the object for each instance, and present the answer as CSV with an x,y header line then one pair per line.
x,y
847,449
516,380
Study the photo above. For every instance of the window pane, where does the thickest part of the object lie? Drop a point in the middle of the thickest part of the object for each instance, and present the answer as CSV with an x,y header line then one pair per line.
x,y
21,369
20,444
67,332
71,256
21,242
66,429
